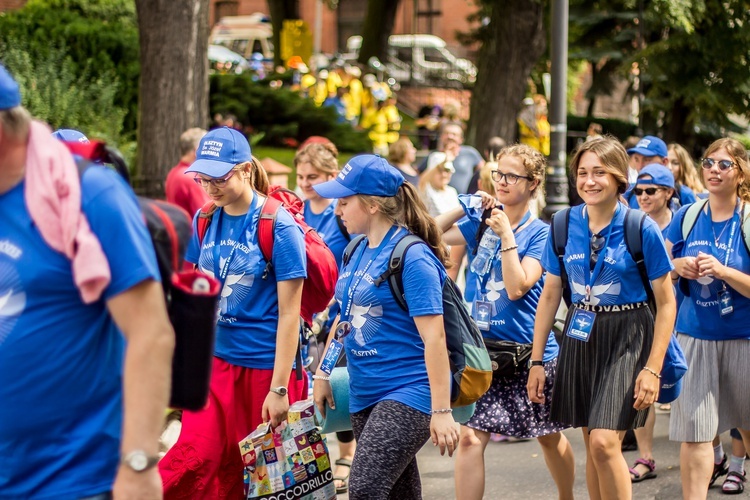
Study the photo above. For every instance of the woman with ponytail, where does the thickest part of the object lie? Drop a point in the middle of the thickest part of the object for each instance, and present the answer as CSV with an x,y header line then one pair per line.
x,y
398,361
252,380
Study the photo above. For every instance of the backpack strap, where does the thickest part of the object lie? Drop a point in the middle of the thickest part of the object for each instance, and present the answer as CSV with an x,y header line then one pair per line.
x,y
633,229
691,217
204,220
351,247
396,267
342,228
745,226
266,225
559,230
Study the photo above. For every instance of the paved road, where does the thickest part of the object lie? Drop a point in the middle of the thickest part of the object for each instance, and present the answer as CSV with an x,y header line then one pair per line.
x,y
516,471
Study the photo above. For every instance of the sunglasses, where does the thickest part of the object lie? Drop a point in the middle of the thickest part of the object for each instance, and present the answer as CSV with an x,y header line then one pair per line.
x,y
218,182
648,191
708,164
510,179
596,243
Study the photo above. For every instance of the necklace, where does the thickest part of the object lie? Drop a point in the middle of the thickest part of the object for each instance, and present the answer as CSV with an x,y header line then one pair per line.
x,y
716,239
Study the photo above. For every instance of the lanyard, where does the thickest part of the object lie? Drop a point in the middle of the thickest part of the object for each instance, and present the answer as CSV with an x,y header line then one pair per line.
x,y
591,276
486,277
346,299
732,232
221,275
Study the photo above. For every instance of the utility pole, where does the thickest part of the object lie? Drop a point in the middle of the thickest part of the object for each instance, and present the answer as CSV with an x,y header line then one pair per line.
x,y
557,178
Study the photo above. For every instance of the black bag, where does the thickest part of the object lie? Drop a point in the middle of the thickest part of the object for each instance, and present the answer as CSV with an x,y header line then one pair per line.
x,y
508,358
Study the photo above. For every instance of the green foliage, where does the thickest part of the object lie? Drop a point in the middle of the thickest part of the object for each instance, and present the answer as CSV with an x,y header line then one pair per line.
x,y
283,116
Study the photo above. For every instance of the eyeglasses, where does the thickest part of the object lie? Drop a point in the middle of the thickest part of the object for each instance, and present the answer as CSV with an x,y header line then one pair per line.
x,y
597,243
708,164
510,179
648,191
218,182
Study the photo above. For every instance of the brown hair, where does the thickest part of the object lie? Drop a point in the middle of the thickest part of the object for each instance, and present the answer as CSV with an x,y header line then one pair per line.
x,y
407,208
611,154
485,182
737,151
533,162
688,174
258,177
16,122
323,156
397,150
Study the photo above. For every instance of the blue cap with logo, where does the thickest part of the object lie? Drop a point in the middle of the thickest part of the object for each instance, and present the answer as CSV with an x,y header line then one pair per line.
x,y
660,175
219,151
650,146
70,135
364,174
10,95
675,366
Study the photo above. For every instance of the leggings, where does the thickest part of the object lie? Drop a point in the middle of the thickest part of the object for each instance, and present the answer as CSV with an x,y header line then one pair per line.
x,y
389,435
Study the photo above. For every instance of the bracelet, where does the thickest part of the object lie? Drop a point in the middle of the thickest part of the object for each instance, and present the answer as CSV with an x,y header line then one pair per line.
x,y
507,249
652,372
321,377
441,410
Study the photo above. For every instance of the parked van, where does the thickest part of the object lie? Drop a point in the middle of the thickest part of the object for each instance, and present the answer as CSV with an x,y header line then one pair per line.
x,y
421,59
244,35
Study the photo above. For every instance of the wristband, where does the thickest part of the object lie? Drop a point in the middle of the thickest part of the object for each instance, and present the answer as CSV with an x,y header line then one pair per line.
x,y
441,410
321,377
507,249
652,372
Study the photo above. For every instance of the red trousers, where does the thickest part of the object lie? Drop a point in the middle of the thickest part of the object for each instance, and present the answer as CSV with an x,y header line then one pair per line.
x,y
205,463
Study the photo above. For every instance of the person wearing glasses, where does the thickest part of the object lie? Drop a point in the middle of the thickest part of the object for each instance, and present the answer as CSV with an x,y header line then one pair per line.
x,y
252,380
713,267
510,291
612,347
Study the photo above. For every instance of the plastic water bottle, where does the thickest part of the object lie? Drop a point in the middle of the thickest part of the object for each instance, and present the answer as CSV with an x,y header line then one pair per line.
x,y
488,246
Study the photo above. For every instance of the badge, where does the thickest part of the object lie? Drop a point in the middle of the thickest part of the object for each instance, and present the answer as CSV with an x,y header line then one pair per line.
x,y
331,357
482,313
725,302
581,325
342,330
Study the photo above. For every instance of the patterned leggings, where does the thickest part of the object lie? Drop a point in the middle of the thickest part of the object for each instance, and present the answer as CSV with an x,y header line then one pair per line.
x,y
389,435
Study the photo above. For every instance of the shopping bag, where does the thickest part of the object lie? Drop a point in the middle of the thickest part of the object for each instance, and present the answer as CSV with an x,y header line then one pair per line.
x,y
290,461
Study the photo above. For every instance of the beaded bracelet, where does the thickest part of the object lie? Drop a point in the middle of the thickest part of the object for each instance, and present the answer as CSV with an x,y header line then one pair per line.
x,y
321,377
652,372
507,249
442,410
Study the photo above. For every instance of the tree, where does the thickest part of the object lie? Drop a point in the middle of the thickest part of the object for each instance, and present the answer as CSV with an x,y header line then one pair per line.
x,y
174,82
513,39
281,10
377,27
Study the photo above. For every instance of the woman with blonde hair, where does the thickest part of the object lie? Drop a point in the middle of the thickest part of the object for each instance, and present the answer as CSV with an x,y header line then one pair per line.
x,y
687,182
438,196
402,154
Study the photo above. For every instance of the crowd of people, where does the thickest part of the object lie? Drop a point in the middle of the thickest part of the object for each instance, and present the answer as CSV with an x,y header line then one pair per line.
x,y
86,342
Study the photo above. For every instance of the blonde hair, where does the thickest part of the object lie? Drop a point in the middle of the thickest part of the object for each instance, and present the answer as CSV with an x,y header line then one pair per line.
x,y
533,162
323,156
688,173
485,182
426,178
612,156
397,150
737,151
16,122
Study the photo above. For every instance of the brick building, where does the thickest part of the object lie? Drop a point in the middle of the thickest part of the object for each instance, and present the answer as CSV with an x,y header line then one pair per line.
x,y
11,4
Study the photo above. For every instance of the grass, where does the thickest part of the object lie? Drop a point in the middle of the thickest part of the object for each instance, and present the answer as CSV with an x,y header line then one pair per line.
x,y
286,156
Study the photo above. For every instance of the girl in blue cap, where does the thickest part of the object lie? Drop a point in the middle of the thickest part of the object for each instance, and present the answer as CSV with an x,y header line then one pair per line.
x,y
510,291
612,347
398,361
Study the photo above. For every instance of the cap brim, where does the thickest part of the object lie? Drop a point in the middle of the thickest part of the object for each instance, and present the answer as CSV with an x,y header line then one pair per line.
x,y
211,168
333,189
642,151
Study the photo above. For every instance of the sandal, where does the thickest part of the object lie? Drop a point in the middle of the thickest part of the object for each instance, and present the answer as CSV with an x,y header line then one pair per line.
x,y
734,484
720,469
649,474
344,487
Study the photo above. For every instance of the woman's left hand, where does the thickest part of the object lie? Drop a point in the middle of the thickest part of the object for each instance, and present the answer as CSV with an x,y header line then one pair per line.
x,y
646,390
444,432
708,265
275,408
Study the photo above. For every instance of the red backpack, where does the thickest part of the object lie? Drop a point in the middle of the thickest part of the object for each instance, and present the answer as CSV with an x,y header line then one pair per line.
x,y
322,272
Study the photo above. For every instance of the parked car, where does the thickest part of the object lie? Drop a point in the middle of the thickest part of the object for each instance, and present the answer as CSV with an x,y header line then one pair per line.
x,y
245,35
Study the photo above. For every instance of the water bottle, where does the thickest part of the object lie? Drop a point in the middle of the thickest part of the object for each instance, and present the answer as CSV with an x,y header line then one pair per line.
x,y
488,246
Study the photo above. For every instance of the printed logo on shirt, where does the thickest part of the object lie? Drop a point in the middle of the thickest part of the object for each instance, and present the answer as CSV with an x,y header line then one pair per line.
x,y
603,292
495,289
12,300
239,280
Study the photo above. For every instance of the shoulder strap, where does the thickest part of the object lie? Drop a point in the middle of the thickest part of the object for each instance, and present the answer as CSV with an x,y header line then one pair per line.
x,y
634,241
342,228
691,216
351,247
266,225
204,220
745,226
396,267
559,229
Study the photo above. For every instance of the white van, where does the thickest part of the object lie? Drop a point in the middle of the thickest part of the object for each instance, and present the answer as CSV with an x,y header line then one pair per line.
x,y
421,58
245,35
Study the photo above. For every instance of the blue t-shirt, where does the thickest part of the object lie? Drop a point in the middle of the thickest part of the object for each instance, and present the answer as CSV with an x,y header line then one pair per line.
x,y
249,304
326,225
384,351
619,281
60,359
699,314
686,195
512,320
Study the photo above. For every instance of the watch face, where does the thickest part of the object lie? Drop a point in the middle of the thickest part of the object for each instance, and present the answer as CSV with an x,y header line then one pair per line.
x,y
281,391
138,461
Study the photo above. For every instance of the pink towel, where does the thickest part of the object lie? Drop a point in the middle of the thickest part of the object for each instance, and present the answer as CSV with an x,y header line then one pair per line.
x,y
53,198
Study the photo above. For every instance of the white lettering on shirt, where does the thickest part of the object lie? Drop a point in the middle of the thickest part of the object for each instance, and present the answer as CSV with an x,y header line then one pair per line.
x,y
575,256
10,250
369,352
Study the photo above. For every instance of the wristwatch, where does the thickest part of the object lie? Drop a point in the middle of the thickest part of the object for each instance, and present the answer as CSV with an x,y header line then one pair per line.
x,y
281,390
139,461
534,362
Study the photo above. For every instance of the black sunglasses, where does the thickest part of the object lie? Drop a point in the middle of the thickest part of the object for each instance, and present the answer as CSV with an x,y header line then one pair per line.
x,y
597,243
708,164
648,191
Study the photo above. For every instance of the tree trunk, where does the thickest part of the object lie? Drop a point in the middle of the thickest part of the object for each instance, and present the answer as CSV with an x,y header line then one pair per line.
x,y
173,86
676,129
281,10
377,27
513,43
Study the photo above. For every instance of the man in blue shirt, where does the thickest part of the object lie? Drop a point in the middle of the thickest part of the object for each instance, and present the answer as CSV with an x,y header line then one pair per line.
x,y
81,412
649,150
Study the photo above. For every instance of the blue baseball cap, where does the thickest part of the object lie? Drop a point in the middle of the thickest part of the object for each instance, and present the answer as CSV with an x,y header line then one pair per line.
x,y
70,135
660,175
219,151
10,95
650,146
364,174
674,368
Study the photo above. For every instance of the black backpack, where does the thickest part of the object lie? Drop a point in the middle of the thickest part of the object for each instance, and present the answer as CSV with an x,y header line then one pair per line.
x,y
470,364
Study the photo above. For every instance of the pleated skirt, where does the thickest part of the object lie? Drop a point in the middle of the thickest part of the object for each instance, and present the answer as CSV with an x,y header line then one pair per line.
x,y
595,380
